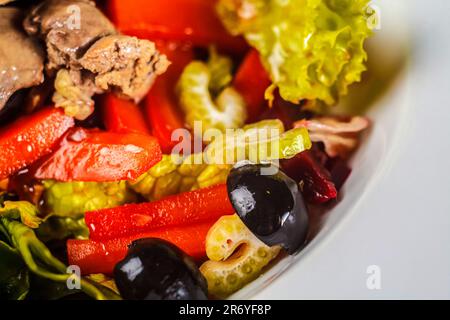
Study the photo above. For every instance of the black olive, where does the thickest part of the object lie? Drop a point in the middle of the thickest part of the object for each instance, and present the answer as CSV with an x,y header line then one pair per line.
x,y
155,269
270,204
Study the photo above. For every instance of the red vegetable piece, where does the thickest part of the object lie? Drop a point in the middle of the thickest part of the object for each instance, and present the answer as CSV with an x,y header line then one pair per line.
x,y
339,170
181,209
193,21
251,81
101,256
317,184
30,137
161,104
122,116
93,155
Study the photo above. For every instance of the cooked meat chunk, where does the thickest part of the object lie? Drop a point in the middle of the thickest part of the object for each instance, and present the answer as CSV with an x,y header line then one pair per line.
x,y
69,28
21,58
92,57
127,64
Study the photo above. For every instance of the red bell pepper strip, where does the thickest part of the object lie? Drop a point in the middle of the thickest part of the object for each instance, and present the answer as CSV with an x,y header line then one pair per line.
x,y
163,116
161,104
317,184
193,21
181,209
31,137
93,155
251,81
101,256
122,116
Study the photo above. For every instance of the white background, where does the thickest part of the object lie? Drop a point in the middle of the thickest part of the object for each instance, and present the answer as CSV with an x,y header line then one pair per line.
x,y
396,209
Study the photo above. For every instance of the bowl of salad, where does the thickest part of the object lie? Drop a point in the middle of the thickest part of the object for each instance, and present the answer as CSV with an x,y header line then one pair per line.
x,y
184,149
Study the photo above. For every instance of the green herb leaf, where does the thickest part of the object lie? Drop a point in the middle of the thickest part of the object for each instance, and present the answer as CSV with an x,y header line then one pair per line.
x,y
14,280
23,210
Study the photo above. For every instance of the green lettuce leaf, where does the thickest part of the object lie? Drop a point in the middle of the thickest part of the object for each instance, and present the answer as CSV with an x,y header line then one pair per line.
x,y
14,277
60,228
313,49
41,262
23,210
24,255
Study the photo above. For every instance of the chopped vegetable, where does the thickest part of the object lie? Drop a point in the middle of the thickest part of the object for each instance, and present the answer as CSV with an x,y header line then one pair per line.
x,y
222,111
73,199
70,97
101,256
29,138
92,155
315,180
36,256
192,21
312,49
161,105
123,116
251,81
167,178
221,70
104,281
14,277
257,145
199,205
61,228
23,210
236,256
339,136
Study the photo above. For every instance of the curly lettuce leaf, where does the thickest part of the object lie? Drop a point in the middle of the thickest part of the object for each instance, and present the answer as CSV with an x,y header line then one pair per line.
x,y
313,49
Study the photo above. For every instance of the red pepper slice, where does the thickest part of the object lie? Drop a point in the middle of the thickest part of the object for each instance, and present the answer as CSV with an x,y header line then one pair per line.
x,y
181,209
251,81
101,256
93,155
122,116
317,184
31,137
193,21
161,104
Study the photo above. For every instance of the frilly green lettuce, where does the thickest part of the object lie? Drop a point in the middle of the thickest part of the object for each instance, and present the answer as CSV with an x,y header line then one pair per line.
x,y
313,49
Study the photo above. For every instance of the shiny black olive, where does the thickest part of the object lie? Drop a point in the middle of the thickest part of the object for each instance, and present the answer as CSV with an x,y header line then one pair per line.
x,y
270,204
155,269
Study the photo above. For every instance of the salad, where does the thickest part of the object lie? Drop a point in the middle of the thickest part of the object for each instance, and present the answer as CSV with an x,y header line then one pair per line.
x,y
169,149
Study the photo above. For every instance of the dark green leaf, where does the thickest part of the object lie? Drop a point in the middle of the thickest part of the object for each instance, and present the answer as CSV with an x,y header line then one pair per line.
x,y
14,280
